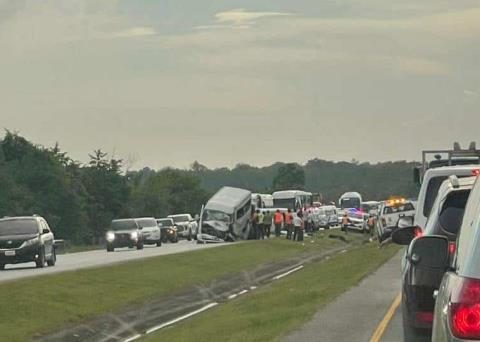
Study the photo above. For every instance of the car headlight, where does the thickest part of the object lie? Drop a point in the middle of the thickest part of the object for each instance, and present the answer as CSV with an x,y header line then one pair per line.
x,y
134,235
30,242
110,236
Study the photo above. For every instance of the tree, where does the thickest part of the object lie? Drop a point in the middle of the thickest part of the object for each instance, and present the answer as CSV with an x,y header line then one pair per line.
x,y
289,176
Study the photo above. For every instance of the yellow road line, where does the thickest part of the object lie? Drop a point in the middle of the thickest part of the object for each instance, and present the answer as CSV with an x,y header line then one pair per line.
x,y
377,335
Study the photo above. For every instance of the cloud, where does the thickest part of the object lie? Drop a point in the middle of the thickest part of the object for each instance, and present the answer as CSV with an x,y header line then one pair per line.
x,y
239,18
136,32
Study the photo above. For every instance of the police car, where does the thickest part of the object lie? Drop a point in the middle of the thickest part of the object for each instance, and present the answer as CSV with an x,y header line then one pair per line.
x,y
390,212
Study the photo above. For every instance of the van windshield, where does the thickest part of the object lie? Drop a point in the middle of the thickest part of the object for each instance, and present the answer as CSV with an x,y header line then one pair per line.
x,y
215,215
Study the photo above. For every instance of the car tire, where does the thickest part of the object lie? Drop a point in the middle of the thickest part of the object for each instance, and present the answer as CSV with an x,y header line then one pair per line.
x,y
140,245
40,262
189,237
159,243
110,248
53,259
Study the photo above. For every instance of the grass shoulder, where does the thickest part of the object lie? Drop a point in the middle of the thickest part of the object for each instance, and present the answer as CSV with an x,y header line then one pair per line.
x,y
275,310
48,303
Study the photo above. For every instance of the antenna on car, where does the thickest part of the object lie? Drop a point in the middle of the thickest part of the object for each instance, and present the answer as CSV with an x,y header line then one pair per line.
x,y
473,146
456,146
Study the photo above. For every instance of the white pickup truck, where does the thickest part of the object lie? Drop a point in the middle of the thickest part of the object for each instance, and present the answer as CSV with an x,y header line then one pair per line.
x,y
186,225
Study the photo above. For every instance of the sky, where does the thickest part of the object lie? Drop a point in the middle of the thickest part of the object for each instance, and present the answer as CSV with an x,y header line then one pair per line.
x,y
167,82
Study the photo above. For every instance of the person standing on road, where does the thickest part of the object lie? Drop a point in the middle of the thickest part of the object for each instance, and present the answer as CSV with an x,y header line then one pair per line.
x,y
260,225
371,225
298,226
289,224
345,222
277,221
267,223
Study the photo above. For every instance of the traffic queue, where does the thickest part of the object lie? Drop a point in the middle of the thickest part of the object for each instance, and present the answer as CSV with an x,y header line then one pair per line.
x,y
440,269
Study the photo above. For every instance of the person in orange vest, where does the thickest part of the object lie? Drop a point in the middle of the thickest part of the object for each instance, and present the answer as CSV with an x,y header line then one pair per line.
x,y
277,221
345,222
289,224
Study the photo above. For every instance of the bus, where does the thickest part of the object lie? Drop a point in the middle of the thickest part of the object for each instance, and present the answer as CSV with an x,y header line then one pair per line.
x,y
292,199
350,200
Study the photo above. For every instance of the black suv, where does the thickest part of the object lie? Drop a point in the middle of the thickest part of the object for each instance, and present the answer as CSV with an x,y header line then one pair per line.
x,y
26,239
124,233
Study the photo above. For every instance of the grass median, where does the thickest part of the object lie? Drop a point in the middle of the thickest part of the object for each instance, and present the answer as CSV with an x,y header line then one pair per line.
x,y
47,303
275,310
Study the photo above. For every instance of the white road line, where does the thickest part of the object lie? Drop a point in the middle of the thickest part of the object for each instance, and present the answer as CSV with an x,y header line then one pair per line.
x,y
288,273
233,296
253,288
181,318
133,338
242,292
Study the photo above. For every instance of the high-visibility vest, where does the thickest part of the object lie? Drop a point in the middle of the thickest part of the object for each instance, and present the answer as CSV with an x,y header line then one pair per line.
x,y
277,218
288,218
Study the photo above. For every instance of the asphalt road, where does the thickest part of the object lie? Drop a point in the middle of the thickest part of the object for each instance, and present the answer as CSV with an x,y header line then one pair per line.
x,y
357,314
97,258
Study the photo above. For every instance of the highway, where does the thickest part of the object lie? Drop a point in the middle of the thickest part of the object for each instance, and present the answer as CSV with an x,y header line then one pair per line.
x,y
97,258
360,314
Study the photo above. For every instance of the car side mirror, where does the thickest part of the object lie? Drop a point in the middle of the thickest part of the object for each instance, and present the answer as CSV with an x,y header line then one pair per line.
x,y
140,228
429,252
403,236
45,231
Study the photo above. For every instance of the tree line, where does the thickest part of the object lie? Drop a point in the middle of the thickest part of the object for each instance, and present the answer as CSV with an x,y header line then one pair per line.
x,y
80,199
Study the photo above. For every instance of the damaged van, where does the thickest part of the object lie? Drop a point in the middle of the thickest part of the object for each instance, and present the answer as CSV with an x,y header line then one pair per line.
x,y
226,216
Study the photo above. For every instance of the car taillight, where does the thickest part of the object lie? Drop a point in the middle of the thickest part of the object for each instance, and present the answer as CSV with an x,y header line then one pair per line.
x,y
464,310
417,232
452,248
476,172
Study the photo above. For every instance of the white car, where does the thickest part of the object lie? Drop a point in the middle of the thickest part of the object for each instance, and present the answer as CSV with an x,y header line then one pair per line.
x,y
390,213
186,226
150,231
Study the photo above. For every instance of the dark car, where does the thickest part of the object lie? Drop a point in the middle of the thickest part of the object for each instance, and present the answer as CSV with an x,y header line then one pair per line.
x,y
124,233
418,283
168,230
26,239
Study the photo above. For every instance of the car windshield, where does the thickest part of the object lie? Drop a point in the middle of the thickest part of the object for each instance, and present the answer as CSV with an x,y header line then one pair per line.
x,y
451,214
165,223
431,194
123,225
215,215
18,227
398,208
146,222
181,218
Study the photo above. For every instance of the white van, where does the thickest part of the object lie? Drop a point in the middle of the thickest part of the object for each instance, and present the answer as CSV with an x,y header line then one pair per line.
x,y
226,216
432,181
